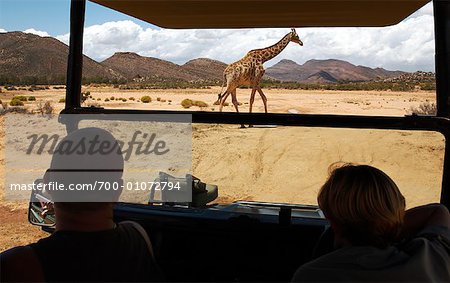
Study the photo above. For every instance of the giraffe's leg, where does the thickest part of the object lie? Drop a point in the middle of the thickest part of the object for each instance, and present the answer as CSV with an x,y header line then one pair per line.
x,y
234,100
263,97
252,100
235,103
224,98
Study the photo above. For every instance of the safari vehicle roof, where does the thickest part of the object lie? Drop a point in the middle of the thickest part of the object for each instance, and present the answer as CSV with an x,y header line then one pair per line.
x,y
266,13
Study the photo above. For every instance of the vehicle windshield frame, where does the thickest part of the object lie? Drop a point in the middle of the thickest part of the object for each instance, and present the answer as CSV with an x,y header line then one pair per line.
x,y
439,123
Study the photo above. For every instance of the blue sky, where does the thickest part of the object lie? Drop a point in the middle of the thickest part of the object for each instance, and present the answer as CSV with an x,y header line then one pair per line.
x,y
407,46
52,16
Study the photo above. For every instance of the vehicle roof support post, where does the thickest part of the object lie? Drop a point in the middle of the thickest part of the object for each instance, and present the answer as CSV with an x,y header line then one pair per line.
x,y
445,192
442,42
75,62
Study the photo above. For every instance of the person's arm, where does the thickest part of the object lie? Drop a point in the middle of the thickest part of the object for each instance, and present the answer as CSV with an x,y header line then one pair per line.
x,y
417,218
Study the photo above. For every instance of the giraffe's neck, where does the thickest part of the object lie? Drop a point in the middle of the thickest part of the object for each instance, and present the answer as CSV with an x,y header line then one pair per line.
x,y
272,51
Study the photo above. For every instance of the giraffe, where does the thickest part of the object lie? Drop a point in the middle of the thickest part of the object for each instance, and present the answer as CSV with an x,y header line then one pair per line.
x,y
249,70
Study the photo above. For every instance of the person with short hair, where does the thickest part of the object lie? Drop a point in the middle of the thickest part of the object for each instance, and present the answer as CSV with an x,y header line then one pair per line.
x,y
375,239
87,246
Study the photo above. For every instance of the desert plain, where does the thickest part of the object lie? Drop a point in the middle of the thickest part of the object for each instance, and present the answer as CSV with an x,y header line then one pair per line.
x,y
273,164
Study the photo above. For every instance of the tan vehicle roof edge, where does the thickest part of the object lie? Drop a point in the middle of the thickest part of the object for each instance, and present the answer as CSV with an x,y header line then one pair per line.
x,y
183,14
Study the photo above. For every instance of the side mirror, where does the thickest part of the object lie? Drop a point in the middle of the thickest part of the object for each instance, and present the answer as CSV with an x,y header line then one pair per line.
x,y
41,210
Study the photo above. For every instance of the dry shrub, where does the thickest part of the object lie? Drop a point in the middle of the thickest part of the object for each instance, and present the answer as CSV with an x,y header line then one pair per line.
x,y
217,102
16,102
146,99
44,107
132,98
106,99
187,103
62,100
31,98
200,104
425,108
20,97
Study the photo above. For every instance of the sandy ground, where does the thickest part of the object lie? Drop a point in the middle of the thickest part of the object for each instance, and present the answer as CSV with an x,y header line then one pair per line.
x,y
282,164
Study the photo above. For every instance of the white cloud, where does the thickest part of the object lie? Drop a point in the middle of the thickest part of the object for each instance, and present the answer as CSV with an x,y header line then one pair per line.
x,y
2,30
407,46
36,32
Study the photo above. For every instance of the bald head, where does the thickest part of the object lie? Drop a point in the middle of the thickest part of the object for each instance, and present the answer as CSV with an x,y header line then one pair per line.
x,y
89,164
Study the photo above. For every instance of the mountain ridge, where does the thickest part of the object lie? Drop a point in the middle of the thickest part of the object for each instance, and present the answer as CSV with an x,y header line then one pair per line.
x,y
326,71
27,55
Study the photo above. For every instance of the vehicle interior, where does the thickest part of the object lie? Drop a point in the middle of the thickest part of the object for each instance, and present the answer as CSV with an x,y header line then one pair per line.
x,y
261,239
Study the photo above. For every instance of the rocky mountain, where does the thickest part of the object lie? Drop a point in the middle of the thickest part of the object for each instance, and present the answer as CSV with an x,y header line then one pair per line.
x,y
205,68
28,55
140,68
25,55
326,71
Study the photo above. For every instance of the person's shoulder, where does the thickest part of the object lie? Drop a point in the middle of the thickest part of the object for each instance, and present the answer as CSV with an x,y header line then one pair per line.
x,y
432,239
15,260
324,268
434,232
16,254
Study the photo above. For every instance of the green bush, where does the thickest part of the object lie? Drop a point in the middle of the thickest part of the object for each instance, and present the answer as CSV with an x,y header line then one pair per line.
x,y
16,102
187,103
20,98
146,99
200,104
132,98
112,98
106,99
31,98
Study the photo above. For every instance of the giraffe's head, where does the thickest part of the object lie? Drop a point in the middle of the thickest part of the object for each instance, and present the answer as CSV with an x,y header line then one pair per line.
x,y
295,38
